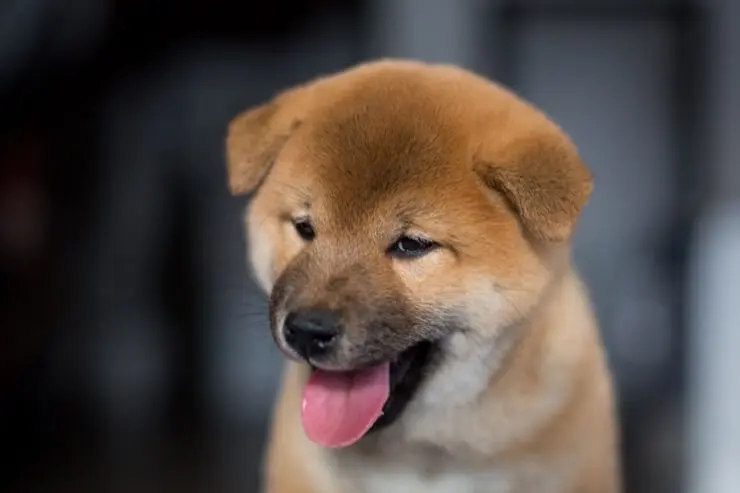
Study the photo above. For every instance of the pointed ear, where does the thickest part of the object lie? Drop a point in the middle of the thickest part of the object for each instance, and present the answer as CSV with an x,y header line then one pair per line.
x,y
256,136
542,176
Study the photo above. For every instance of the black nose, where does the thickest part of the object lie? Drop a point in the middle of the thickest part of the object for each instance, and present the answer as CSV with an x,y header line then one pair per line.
x,y
311,332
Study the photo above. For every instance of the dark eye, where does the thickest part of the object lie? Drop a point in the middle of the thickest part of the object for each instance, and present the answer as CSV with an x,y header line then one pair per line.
x,y
408,247
304,230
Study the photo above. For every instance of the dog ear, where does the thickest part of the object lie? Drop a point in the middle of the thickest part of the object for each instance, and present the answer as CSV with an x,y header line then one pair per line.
x,y
542,176
255,137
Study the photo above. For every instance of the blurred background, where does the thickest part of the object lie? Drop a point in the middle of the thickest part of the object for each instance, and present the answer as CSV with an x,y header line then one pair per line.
x,y
134,349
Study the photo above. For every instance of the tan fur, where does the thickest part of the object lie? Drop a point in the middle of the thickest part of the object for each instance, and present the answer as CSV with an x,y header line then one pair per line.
x,y
521,401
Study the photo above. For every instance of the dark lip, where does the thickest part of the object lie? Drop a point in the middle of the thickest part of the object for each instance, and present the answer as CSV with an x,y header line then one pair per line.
x,y
406,374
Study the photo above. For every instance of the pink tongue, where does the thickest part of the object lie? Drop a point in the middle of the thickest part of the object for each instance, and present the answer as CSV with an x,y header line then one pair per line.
x,y
339,408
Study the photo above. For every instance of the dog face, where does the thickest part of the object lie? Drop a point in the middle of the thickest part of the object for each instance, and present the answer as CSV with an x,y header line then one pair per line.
x,y
397,204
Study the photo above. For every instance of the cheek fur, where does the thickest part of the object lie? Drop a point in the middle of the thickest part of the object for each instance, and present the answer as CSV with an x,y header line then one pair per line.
x,y
272,244
429,269
261,254
486,296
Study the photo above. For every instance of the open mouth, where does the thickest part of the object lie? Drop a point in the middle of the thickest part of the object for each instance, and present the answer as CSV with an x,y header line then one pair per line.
x,y
339,408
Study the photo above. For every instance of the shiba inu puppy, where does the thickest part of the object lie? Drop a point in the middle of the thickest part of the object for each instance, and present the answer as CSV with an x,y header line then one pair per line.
x,y
411,224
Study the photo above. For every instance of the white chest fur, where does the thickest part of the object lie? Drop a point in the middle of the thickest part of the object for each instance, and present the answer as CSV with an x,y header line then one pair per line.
x,y
408,482
392,474
417,473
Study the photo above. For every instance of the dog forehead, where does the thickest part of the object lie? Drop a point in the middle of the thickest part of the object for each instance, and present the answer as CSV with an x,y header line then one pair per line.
x,y
381,143
366,154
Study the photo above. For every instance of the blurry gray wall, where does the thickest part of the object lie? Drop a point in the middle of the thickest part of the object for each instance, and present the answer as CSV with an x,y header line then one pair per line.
x,y
713,454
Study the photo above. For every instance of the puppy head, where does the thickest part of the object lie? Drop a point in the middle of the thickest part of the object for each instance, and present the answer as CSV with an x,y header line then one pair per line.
x,y
398,203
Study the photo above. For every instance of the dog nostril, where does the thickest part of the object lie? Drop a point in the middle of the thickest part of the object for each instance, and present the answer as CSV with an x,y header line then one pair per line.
x,y
311,332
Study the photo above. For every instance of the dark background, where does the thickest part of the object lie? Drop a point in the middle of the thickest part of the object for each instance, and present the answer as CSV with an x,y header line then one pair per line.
x,y
134,351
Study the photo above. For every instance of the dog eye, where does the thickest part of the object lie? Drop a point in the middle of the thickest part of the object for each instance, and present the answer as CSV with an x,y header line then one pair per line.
x,y
304,230
407,247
